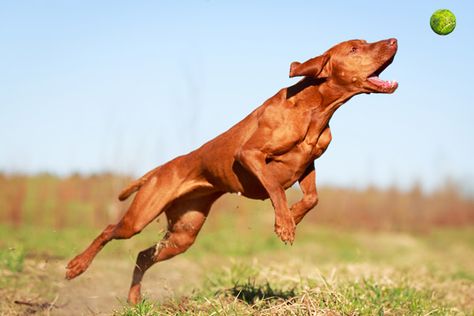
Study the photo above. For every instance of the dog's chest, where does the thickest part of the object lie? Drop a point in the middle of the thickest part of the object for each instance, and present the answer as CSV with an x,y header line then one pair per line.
x,y
315,143
310,148
289,167
318,136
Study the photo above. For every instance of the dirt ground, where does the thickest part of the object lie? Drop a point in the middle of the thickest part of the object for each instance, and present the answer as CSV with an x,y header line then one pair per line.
x,y
102,289
404,273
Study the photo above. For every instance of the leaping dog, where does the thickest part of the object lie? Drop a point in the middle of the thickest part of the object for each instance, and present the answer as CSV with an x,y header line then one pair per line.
x,y
259,157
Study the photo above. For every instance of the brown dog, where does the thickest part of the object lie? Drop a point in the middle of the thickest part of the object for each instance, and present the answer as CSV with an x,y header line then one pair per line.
x,y
260,157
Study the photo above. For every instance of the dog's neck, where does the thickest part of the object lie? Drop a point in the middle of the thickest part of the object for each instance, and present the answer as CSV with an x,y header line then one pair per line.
x,y
333,96
320,95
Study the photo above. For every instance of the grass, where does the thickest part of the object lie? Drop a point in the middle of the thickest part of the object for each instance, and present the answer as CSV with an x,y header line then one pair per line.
x,y
12,258
326,272
144,308
263,294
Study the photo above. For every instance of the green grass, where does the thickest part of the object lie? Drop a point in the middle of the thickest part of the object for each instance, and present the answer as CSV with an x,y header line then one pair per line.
x,y
237,265
245,290
245,270
144,308
12,258
329,271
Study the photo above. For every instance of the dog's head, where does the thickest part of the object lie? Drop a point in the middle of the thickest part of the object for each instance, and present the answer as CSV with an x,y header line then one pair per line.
x,y
353,65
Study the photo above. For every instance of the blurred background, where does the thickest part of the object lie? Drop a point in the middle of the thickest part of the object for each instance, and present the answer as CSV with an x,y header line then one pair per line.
x,y
94,94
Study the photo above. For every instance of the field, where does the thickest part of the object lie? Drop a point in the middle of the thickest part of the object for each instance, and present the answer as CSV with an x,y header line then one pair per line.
x,y
385,265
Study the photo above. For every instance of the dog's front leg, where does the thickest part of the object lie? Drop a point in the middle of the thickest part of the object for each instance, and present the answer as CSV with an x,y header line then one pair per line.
x,y
254,161
309,200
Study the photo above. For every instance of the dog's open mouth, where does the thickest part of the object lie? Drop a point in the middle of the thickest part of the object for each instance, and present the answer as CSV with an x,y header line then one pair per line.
x,y
380,85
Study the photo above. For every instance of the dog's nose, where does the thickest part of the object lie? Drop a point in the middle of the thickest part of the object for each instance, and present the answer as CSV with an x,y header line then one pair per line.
x,y
392,41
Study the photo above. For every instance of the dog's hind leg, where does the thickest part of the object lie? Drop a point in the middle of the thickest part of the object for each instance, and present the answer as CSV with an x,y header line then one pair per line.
x,y
185,219
152,199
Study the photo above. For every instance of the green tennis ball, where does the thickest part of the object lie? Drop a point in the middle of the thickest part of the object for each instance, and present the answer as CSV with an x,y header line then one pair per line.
x,y
443,22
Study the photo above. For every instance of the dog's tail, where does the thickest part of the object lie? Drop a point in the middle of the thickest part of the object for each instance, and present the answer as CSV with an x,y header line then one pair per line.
x,y
135,185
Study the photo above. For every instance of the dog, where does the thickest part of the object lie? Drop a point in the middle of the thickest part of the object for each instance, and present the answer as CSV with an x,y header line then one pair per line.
x,y
260,157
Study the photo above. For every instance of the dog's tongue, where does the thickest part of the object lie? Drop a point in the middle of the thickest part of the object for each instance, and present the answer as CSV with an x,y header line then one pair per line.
x,y
382,83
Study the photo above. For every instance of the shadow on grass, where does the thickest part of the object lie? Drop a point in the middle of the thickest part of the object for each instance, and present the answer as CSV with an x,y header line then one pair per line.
x,y
249,292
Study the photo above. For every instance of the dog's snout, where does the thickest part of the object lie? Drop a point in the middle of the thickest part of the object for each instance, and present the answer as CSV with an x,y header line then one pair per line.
x,y
392,42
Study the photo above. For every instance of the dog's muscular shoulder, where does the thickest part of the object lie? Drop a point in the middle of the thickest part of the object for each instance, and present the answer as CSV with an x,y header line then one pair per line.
x,y
282,125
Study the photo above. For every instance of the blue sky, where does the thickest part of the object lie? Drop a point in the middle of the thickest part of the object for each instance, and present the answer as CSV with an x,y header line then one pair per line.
x,y
126,85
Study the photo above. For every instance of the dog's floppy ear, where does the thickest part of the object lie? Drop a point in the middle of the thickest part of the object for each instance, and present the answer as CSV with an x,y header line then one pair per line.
x,y
311,68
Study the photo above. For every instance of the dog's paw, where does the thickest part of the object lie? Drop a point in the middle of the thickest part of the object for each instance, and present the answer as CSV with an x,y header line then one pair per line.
x,y
76,267
286,229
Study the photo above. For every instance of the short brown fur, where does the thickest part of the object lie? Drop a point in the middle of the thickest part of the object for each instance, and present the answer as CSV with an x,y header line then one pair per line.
x,y
260,157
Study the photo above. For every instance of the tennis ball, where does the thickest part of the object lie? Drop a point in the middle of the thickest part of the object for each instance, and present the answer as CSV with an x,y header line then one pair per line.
x,y
443,22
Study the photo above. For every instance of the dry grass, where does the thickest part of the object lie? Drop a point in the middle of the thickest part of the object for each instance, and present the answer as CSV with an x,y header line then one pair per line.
x,y
91,201
361,252
353,289
326,272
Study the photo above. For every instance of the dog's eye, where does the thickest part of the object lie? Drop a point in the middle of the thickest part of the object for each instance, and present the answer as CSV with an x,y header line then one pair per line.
x,y
353,49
